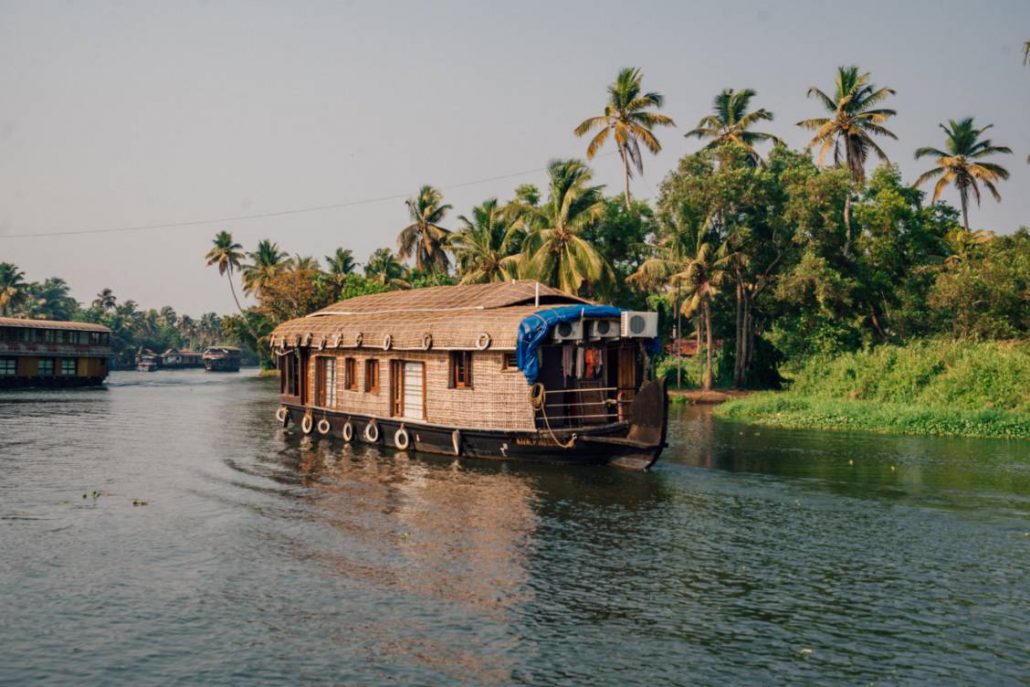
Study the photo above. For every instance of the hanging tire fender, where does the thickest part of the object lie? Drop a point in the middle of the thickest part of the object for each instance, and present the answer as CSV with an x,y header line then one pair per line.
x,y
372,432
323,426
283,415
307,424
348,431
401,439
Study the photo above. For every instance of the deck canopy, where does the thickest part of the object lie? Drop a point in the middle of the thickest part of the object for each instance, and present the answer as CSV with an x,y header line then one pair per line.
x,y
473,317
52,324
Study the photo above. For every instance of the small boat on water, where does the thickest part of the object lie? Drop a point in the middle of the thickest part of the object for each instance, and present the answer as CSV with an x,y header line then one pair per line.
x,y
512,370
222,359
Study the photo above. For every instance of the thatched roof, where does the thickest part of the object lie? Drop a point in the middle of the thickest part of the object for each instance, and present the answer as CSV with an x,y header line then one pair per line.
x,y
447,317
52,324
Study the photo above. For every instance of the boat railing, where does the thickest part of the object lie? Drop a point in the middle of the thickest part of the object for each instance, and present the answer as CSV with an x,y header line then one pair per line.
x,y
581,406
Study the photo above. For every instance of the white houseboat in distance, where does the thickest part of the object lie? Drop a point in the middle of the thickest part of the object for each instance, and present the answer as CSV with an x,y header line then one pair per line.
x,y
505,370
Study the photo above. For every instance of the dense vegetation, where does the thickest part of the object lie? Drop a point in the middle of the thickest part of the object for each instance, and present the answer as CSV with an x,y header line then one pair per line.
x,y
132,327
929,387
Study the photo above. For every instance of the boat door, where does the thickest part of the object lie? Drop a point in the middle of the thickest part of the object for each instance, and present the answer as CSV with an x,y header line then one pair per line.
x,y
407,389
414,390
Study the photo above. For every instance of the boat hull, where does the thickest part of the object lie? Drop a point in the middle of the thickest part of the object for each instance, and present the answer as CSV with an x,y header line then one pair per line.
x,y
221,365
538,447
61,382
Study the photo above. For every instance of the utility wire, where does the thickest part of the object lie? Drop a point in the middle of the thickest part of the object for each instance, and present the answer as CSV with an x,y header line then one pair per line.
x,y
277,213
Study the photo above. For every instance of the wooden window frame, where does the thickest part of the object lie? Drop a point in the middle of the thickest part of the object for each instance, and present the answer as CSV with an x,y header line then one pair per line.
x,y
325,383
8,362
74,366
39,365
513,359
350,374
372,372
456,379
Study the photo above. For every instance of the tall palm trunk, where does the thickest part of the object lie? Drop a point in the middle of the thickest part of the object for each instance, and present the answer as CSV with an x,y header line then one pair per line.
x,y
232,289
625,174
963,194
706,384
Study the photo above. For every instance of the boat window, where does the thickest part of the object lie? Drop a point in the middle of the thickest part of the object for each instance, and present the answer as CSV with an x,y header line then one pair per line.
x,y
511,363
289,382
372,376
325,373
68,367
461,370
45,367
8,367
350,374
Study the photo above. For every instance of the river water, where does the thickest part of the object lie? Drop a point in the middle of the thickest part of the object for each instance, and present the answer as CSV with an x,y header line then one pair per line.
x,y
746,556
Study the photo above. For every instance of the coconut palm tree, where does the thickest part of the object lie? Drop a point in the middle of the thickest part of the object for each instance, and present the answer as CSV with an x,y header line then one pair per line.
x,y
705,272
266,262
487,246
629,120
12,287
227,254
424,237
852,122
341,263
962,163
383,267
105,300
300,263
50,300
730,123
556,253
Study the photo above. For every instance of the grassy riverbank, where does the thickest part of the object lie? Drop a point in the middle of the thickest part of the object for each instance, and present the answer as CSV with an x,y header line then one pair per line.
x,y
934,387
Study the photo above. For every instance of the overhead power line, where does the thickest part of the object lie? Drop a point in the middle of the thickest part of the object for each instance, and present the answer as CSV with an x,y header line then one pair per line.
x,y
263,215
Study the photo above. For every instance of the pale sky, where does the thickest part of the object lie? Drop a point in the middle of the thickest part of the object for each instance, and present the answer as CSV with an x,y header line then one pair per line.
x,y
119,114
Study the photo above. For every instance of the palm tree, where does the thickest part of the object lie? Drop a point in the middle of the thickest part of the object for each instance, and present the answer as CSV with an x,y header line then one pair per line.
x,y
266,262
227,254
556,253
12,287
627,117
705,272
50,300
305,263
383,267
730,123
487,246
854,120
105,300
960,163
424,237
341,263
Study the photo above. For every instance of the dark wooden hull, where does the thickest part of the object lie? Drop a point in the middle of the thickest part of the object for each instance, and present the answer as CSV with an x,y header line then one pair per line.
x,y
488,444
222,365
57,382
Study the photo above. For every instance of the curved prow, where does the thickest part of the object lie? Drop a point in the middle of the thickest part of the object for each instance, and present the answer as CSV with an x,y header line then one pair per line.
x,y
648,426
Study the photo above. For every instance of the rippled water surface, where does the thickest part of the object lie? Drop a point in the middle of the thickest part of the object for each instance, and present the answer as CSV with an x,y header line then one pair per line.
x,y
745,557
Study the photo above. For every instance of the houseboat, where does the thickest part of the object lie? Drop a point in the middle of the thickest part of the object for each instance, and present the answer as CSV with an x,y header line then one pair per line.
x,y
147,361
49,353
175,359
506,370
222,359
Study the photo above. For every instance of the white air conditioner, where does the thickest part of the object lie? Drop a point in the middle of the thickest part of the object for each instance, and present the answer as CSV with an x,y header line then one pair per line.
x,y
640,325
569,331
598,330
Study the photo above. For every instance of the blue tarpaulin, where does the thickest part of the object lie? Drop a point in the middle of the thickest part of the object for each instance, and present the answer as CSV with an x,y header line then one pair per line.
x,y
534,330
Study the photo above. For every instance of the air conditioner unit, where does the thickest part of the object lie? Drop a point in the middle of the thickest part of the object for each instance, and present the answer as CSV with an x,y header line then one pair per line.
x,y
640,325
598,330
569,331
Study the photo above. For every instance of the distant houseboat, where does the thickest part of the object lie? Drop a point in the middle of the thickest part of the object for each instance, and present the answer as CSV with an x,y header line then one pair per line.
x,y
508,370
147,361
49,353
175,359
222,359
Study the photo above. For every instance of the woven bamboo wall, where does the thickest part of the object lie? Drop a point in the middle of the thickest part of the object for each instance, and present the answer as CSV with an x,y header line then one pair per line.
x,y
498,399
